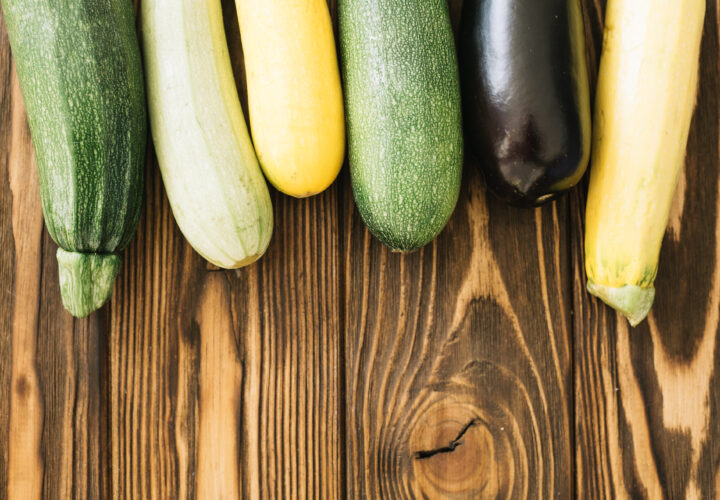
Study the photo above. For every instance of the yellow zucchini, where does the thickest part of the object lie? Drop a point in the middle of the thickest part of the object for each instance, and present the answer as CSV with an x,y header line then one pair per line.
x,y
644,104
294,93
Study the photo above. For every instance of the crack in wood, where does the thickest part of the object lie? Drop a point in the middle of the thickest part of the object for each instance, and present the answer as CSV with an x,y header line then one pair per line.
x,y
420,455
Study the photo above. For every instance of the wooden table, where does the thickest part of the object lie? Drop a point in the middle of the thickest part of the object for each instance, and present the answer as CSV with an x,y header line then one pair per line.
x,y
323,370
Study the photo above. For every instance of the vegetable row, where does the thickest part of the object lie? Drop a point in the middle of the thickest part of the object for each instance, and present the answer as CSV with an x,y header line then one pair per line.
x,y
520,91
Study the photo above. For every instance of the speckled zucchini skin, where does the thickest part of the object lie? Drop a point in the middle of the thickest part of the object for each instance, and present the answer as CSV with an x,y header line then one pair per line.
x,y
79,67
80,73
404,121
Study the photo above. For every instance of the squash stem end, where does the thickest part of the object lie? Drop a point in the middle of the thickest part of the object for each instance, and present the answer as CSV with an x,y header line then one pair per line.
x,y
86,280
632,301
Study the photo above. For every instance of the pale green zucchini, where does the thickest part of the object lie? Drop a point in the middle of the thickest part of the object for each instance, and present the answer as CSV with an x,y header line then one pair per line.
x,y
212,177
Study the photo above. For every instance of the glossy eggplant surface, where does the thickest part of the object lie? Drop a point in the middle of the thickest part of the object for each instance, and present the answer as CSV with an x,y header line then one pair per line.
x,y
526,95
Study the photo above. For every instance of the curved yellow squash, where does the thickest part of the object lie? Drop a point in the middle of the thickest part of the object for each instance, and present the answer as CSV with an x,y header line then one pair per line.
x,y
294,92
645,99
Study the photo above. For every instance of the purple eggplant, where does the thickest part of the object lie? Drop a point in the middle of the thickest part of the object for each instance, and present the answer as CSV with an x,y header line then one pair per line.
x,y
526,95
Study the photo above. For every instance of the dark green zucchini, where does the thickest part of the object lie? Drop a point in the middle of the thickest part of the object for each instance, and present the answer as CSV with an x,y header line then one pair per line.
x,y
81,77
402,94
526,95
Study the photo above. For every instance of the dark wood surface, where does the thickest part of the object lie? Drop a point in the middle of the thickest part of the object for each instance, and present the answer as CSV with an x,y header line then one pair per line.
x,y
475,368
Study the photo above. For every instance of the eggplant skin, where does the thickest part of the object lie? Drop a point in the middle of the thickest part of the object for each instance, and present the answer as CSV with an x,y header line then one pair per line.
x,y
526,95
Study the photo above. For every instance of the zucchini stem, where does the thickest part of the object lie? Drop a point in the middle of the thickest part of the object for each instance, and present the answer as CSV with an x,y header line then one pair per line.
x,y
86,280
632,301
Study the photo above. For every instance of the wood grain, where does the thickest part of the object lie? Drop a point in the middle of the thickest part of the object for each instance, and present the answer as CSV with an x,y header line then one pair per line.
x,y
226,383
7,255
648,398
475,368
447,336
26,409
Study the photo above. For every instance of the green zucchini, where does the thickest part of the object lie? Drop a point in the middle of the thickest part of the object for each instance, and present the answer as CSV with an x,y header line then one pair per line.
x,y
80,74
402,95
211,174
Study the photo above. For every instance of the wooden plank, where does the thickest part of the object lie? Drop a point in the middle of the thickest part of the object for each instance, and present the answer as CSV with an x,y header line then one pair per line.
x,y
474,328
71,363
233,375
197,381
648,399
226,383
7,254
25,466
463,349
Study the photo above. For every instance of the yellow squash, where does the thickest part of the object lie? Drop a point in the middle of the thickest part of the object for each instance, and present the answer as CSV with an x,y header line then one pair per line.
x,y
294,92
644,104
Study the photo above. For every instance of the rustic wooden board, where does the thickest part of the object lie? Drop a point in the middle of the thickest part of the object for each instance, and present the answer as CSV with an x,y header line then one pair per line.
x,y
475,368
474,329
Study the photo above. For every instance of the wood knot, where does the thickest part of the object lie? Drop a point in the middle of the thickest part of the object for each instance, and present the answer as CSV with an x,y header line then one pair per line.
x,y
451,446
457,454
